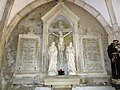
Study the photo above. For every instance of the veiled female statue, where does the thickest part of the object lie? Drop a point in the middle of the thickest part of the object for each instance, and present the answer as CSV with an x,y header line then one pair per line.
x,y
70,55
61,41
52,53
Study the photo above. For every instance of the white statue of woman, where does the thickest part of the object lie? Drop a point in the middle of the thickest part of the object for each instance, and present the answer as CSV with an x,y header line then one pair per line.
x,y
52,59
70,55
61,41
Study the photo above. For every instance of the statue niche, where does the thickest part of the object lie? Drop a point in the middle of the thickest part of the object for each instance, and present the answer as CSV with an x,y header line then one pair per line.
x,y
61,33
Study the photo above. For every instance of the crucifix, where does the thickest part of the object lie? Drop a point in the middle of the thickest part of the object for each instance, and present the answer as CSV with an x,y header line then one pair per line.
x,y
61,29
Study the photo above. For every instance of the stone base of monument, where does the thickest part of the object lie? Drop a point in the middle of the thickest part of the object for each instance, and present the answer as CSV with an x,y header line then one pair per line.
x,y
62,80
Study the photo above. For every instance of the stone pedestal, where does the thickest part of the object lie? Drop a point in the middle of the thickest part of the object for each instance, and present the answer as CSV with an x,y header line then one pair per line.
x,y
62,81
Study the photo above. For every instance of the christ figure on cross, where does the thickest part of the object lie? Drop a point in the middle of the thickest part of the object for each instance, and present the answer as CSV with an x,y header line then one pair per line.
x,y
61,41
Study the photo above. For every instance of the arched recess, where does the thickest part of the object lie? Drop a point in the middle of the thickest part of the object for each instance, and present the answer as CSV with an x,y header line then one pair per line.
x,y
7,30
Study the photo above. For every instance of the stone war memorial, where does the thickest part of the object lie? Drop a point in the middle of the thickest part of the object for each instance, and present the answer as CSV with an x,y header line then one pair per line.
x,y
54,48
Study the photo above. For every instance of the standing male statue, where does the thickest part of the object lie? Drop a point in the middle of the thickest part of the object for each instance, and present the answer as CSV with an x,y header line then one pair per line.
x,y
61,41
70,55
111,50
52,59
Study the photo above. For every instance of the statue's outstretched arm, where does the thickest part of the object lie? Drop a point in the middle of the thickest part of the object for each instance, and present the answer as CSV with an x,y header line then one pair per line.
x,y
68,33
53,32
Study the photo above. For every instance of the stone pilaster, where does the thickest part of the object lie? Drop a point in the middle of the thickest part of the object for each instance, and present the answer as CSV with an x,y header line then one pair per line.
x,y
44,48
3,24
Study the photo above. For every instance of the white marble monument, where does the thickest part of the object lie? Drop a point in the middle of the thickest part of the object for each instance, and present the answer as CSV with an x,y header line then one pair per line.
x,y
61,43
80,56
27,54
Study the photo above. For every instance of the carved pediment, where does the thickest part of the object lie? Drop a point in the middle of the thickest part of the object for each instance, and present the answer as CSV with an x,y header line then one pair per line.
x,y
60,12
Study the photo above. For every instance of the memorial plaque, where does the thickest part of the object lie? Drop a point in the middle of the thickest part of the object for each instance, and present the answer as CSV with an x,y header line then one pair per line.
x,y
92,54
27,54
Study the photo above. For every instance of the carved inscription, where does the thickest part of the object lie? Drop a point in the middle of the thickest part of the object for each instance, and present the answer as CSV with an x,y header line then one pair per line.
x,y
28,51
91,54
27,55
